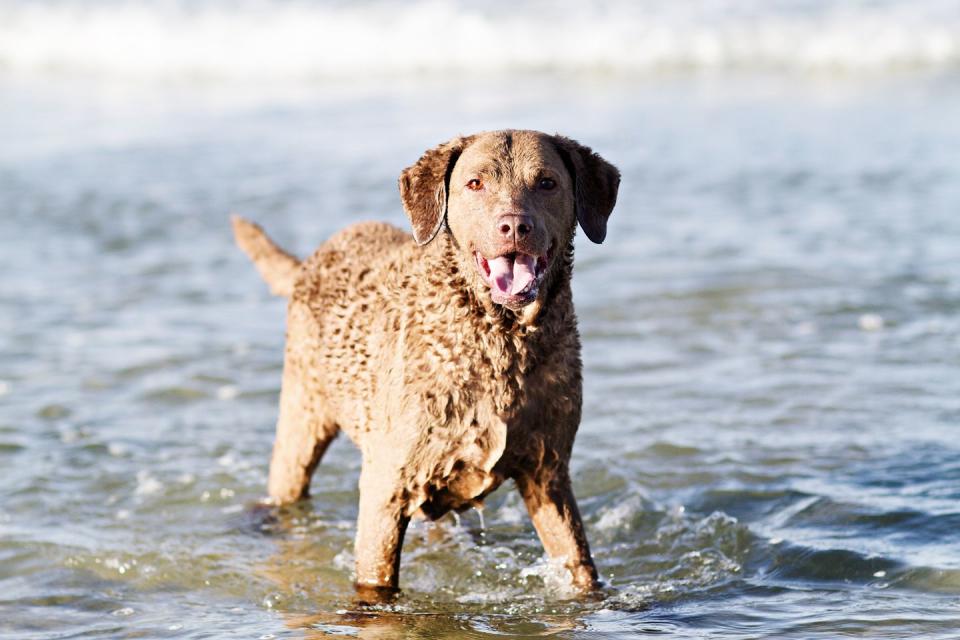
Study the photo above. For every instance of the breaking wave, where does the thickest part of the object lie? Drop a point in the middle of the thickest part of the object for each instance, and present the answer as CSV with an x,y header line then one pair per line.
x,y
264,39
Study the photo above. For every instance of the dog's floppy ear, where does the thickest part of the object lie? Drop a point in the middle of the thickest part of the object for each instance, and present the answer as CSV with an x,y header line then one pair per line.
x,y
595,184
424,186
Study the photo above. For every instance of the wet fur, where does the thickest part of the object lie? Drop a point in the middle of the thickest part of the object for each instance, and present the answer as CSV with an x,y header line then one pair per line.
x,y
395,341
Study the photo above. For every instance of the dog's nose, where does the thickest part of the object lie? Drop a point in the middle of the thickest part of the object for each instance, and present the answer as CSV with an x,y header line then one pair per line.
x,y
514,225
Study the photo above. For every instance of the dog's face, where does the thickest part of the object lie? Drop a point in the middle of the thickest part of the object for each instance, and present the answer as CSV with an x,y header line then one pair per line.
x,y
511,199
510,207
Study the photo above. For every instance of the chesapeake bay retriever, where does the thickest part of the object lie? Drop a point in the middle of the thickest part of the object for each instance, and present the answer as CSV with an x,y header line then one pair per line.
x,y
452,358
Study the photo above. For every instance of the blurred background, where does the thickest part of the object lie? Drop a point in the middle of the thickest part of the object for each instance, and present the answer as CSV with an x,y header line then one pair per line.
x,y
771,332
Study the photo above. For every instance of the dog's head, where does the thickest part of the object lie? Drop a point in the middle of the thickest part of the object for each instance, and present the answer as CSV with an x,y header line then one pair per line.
x,y
512,200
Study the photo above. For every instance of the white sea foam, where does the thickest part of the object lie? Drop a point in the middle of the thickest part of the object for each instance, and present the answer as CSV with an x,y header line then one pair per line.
x,y
344,560
147,484
271,39
227,392
618,516
871,322
556,577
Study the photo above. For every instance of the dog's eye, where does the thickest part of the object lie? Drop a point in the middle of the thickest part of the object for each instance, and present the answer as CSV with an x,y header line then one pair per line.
x,y
547,184
475,185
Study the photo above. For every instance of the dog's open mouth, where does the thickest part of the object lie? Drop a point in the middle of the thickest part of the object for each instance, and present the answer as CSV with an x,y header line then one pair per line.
x,y
514,278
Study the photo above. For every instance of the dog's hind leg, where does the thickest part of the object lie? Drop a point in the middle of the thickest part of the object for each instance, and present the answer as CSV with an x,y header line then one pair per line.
x,y
297,451
302,439
304,431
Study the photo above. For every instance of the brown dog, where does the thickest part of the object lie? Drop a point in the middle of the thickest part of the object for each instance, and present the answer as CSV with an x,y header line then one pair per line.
x,y
451,359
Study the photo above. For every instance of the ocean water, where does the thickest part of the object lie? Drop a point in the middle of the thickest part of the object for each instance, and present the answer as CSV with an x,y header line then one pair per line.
x,y
771,437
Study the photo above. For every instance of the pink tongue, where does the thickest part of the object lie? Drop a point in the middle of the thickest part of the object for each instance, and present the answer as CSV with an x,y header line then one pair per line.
x,y
512,276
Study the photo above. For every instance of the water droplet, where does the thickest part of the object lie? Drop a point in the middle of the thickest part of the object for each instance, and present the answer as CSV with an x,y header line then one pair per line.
x,y
147,484
116,450
871,322
227,392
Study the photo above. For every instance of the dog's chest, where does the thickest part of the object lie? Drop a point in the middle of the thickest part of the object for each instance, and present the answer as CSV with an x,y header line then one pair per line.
x,y
480,421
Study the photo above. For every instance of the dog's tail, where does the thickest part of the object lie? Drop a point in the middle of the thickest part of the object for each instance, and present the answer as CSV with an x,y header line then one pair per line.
x,y
278,268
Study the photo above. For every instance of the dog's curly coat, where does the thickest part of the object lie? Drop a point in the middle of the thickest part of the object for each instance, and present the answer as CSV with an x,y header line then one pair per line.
x,y
452,358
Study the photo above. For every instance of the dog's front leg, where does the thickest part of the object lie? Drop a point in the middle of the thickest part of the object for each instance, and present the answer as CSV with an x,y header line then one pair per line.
x,y
381,525
553,509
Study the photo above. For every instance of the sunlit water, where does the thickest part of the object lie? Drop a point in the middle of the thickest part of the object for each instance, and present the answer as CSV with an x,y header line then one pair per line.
x,y
771,340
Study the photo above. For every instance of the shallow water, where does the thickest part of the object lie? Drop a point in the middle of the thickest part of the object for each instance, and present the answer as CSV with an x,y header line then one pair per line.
x,y
771,338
